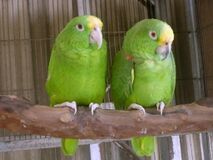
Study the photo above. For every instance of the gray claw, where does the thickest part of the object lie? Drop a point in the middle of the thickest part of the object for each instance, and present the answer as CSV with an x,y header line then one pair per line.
x,y
93,107
160,107
137,107
72,105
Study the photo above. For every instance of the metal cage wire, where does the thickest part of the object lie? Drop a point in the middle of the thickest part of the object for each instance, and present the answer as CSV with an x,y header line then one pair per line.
x,y
27,32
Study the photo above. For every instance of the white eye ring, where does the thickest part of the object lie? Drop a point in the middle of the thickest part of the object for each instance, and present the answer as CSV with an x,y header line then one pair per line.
x,y
80,27
153,35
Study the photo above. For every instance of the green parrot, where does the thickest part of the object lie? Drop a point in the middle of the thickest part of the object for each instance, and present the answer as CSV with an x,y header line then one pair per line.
x,y
77,69
143,73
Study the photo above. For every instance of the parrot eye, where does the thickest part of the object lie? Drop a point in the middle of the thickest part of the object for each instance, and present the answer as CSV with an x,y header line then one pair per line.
x,y
153,35
79,27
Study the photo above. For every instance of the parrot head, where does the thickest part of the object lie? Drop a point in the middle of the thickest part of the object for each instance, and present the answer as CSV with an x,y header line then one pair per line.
x,y
149,39
83,32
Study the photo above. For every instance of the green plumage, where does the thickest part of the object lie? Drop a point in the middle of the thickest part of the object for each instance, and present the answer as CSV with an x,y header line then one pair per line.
x,y
121,80
140,74
77,68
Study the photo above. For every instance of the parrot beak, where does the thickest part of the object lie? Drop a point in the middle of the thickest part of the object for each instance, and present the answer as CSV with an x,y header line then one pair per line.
x,y
164,50
96,36
165,42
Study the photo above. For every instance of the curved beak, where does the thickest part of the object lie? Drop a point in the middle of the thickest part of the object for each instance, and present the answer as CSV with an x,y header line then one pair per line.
x,y
165,42
164,50
96,36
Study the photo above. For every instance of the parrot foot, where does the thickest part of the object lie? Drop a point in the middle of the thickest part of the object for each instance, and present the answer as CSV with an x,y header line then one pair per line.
x,y
137,107
72,105
160,107
93,107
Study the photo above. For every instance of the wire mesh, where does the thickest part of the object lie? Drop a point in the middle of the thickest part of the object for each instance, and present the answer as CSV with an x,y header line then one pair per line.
x,y
27,32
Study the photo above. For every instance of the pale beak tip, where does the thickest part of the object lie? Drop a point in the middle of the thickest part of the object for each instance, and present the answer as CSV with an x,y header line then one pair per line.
x,y
164,51
99,45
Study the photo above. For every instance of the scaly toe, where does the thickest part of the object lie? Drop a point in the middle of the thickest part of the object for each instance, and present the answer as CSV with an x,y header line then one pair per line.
x,y
72,105
93,107
160,107
137,107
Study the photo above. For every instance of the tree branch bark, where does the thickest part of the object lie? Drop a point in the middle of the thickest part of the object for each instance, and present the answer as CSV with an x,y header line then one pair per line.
x,y
19,115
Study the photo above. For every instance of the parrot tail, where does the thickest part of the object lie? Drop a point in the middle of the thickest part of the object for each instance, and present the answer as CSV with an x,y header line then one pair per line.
x,y
69,146
143,146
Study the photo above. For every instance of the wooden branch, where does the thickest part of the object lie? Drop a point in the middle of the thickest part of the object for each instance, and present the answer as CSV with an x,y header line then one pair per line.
x,y
20,115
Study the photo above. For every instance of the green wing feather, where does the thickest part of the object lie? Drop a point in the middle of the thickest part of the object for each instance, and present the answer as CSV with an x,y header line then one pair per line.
x,y
121,82
173,76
